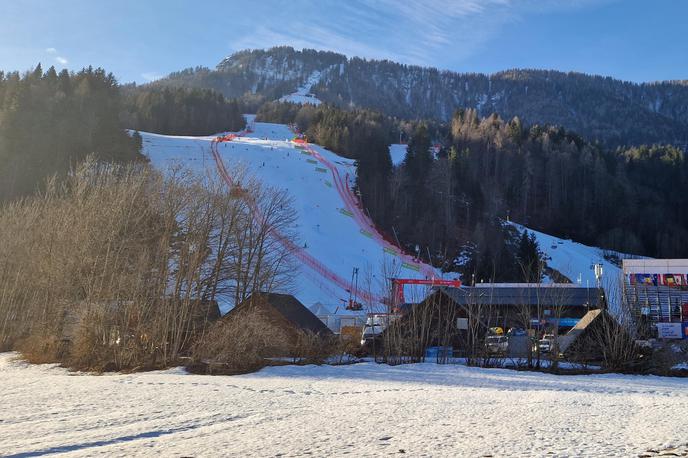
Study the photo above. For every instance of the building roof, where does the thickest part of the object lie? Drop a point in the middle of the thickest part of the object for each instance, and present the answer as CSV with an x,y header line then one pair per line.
x,y
525,294
567,340
655,266
320,309
291,309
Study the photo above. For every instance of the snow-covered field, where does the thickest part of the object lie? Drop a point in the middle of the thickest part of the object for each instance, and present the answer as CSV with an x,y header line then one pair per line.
x,y
358,410
574,260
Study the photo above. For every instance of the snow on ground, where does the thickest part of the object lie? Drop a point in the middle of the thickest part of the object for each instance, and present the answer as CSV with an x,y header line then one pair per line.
x,y
398,153
327,231
302,94
359,410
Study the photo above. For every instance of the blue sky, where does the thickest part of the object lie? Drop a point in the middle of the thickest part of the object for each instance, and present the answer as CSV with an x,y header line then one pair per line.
x,y
140,40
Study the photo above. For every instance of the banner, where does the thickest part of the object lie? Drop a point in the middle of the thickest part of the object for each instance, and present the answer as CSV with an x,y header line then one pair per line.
x,y
669,280
674,280
643,279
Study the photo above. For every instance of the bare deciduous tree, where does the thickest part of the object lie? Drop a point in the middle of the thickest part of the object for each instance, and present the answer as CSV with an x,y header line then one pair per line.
x,y
124,263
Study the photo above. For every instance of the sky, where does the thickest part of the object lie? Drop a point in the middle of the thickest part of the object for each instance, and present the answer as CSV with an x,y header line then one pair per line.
x,y
142,40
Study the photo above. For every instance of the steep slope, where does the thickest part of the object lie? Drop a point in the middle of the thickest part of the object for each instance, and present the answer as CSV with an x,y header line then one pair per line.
x,y
302,94
611,111
577,263
573,260
334,234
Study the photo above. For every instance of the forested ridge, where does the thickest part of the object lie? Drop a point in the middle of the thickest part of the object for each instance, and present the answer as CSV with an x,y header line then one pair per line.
x,y
51,121
453,204
613,112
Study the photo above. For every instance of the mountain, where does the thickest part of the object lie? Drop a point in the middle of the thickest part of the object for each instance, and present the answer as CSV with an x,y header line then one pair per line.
x,y
600,108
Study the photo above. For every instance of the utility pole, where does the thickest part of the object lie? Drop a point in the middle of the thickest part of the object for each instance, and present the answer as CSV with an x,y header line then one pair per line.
x,y
352,288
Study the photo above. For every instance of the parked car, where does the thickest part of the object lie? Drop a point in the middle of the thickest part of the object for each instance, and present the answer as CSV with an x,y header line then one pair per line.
x,y
545,344
375,324
496,345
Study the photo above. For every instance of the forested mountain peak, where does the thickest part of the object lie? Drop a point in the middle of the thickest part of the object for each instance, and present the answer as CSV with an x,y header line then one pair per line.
x,y
281,57
600,108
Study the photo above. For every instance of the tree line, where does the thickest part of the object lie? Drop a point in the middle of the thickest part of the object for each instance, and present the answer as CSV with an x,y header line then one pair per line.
x,y
180,111
51,121
453,202
490,170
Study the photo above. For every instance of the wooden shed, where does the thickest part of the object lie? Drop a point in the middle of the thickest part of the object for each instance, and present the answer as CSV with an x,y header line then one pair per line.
x,y
285,311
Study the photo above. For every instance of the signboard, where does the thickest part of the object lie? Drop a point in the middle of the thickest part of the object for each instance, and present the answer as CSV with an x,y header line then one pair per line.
x,y
565,322
462,323
669,331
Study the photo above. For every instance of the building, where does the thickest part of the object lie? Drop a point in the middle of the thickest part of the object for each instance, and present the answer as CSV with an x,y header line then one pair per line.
x,y
283,310
456,316
657,292
597,337
526,305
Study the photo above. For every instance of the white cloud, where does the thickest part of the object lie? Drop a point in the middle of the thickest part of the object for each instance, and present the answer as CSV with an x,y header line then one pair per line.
x,y
59,59
415,32
151,76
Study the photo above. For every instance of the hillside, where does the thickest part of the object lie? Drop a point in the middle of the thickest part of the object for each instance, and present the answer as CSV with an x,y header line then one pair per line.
x,y
333,234
599,108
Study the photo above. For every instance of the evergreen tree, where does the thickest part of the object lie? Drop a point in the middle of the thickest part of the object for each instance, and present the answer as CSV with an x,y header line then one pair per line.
x,y
49,122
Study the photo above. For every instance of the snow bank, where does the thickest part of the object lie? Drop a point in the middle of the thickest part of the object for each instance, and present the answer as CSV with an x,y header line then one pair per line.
x,y
361,410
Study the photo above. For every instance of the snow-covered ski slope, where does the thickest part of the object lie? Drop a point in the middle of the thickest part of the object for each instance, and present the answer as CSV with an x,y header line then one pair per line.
x,y
576,261
334,233
573,260
302,94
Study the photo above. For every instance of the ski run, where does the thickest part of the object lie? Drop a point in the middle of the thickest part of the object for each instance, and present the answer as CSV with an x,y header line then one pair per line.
x,y
334,233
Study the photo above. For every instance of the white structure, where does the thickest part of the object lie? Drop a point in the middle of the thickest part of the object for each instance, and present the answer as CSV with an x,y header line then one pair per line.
x,y
657,289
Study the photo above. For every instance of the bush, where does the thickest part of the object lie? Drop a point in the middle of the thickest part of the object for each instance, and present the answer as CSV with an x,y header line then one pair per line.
x,y
240,345
118,261
310,348
40,348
